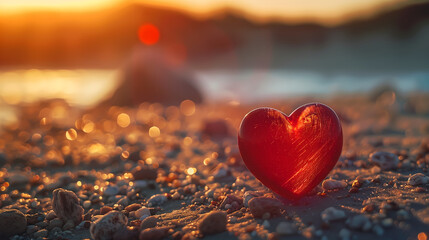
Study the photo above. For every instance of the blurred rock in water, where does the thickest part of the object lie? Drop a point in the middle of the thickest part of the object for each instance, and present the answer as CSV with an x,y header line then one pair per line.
x,y
149,77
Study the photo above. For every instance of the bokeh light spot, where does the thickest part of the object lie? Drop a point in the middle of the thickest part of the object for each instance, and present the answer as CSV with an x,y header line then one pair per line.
x,y
154,132
123,120
71,134
187,107
191,171
148,34
422,236
88,127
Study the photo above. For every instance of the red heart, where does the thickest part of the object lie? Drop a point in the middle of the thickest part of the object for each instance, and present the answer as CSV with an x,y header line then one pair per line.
x,y
291,154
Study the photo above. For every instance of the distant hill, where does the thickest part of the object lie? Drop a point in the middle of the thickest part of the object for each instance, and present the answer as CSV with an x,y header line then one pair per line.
x,y
394,40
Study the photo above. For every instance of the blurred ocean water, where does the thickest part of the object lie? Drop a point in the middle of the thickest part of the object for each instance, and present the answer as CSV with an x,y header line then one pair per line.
x,y
86,87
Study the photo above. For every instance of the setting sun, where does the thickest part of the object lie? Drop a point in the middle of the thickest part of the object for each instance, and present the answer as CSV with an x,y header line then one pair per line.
x,y
148,34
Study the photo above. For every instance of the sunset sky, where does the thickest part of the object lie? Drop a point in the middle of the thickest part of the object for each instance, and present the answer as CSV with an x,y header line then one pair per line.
x,y
280,9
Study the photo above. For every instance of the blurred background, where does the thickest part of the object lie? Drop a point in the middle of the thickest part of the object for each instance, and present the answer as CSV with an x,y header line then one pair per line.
x,y
245,51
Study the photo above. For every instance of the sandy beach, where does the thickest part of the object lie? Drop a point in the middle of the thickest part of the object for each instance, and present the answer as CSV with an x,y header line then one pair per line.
x,y
176,173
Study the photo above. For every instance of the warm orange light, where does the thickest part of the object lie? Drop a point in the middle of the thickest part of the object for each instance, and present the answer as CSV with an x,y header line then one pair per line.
x,y
148,34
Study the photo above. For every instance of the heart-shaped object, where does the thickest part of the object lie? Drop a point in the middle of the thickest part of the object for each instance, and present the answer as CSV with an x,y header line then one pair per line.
x,y
291,154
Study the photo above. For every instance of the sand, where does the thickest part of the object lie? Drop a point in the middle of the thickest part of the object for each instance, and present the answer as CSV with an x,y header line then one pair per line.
x,y
196,168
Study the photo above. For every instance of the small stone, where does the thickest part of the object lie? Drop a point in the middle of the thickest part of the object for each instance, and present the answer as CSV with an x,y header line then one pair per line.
x,y
144,173
331,184
105,209
286,228
359,222
56,222
176,196
418,179
32,229
234,202
212,223
66,205
402,214
368,208
41,233
157,200
123,201
87,204
221,171
68,225
19,178
140,184
43,224
148,222
111,191
249,195
332,214
344,234
104,227
12,222
388,222
258,206
266,224
144,211
51,215
385,160
157,233
132,207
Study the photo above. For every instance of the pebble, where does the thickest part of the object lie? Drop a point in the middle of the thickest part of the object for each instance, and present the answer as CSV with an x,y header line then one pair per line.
x,y
286,228
157,200
144,173
87,204
212,223
332,214
68,225
56,222
132,207
387,222
51,215
385,160
111,191
105,209
123,201
234,202
359,222
249,195
142,212
12,222
41,233
344,234
148,222
332,184
221,171
140,184
19,179
66,205
402,214
258,206
156,233
266,224
32,229
418,179
104,227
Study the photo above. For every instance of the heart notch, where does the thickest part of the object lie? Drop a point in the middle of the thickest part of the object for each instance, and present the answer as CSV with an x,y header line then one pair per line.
x,y
291,154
